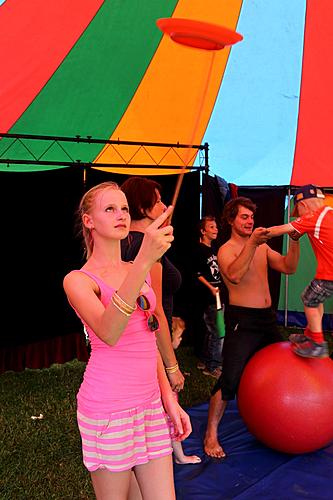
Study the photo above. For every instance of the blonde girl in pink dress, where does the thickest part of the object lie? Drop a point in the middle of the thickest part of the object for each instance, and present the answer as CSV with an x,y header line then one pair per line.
x,y
125,393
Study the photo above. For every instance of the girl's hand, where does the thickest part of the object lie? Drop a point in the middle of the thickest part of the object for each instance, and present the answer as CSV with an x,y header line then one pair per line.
x,y
179,418
157,239
176,380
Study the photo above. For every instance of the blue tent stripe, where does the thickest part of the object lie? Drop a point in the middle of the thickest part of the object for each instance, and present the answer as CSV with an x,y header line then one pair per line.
x,y
252,130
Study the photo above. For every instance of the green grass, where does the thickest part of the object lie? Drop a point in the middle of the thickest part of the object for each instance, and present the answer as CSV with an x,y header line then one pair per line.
x,y
41,459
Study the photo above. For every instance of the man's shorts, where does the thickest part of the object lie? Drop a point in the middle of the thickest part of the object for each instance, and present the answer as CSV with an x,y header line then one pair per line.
x,y
317,292
247,331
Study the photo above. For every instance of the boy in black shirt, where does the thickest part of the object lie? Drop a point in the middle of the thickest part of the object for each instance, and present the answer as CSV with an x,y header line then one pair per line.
x,y
208,275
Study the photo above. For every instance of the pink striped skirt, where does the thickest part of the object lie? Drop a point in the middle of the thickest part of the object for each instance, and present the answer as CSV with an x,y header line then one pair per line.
x,y
126,438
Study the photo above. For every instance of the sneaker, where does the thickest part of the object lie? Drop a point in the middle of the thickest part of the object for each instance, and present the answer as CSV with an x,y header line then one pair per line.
x,y
310,349
298,338
201,366
215,373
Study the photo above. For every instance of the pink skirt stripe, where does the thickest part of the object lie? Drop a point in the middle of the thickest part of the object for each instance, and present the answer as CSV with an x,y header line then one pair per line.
x,y
94,465
139,430
128,436
125,439
122,455
121,415
122,423
141,427
140,460
113,445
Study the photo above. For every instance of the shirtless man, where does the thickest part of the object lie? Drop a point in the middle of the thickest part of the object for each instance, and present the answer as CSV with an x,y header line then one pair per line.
x,y
250,322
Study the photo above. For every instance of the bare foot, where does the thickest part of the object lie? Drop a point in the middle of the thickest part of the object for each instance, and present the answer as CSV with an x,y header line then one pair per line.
x,y
213,448
187,459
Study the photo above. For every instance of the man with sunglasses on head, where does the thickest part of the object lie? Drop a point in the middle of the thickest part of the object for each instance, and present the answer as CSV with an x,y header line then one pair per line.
x,y
250,321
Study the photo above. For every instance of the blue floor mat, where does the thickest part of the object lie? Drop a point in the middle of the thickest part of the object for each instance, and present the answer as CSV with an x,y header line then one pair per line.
x,y
251,470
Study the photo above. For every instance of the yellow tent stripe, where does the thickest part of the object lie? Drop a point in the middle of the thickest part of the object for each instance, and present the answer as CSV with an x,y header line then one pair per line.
x,y
175,99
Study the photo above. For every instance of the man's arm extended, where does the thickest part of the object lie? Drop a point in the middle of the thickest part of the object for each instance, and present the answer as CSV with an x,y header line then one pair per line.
x,y
286,264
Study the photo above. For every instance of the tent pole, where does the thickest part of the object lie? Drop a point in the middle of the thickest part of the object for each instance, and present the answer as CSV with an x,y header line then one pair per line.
x,y
206,147
286,276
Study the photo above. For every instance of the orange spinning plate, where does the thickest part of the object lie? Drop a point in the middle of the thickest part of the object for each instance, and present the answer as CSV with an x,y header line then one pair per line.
x,y
198,34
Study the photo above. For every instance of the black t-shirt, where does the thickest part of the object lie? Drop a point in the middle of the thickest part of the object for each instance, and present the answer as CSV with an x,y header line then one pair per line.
x,y
171,277
205,264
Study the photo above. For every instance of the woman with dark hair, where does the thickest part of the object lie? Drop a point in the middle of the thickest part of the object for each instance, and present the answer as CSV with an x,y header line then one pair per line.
x,y
145,206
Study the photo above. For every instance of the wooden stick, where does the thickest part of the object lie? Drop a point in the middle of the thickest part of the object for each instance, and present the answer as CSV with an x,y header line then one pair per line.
x,y
195,127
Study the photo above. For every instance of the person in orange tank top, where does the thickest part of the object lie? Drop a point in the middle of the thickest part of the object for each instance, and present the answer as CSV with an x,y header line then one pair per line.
x,y
316,220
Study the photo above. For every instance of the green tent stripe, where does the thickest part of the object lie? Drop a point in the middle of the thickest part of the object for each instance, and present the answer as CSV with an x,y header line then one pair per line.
x,y
94,85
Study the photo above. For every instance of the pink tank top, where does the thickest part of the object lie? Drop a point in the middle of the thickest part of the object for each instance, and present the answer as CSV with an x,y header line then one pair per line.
x,y
122,376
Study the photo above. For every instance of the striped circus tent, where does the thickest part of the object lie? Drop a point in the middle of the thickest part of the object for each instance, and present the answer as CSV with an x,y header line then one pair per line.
x,y
103,69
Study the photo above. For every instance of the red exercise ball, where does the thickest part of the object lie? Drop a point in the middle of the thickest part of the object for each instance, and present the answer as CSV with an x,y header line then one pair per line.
x,y
286,401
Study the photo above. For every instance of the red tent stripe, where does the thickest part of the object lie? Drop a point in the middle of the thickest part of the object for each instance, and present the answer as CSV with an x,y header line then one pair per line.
x,y
35,38
314,144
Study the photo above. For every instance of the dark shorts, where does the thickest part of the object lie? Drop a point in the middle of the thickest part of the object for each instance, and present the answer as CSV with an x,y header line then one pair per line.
x,y
317,292
247,331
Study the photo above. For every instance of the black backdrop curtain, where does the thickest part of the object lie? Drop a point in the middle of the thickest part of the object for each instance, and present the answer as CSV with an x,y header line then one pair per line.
x,y
39,247
270,212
